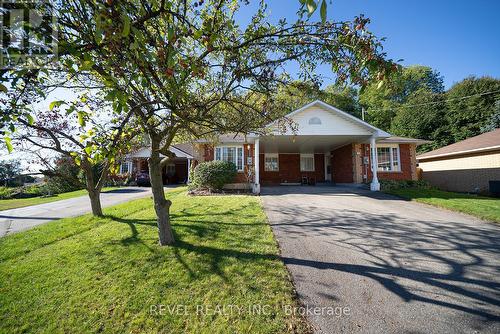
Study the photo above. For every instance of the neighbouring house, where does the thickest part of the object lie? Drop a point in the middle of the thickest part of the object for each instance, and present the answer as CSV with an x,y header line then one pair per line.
x,y
177,171
466,166
325,145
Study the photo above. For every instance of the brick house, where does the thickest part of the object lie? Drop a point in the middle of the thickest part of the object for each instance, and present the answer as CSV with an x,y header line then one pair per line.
x,y
326,145
465,166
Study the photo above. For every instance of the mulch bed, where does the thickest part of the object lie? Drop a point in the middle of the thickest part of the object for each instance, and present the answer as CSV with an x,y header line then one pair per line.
x,y
206,192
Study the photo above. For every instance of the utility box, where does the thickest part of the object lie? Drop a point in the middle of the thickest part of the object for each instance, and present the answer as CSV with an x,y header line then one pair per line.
x,y
495,188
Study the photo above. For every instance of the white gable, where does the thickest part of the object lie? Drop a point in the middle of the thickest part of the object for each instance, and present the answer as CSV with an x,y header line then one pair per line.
x,y
319,118
315,120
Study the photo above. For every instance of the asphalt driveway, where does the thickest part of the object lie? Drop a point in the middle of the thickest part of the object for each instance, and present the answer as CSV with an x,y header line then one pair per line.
x,y
16,220
386,265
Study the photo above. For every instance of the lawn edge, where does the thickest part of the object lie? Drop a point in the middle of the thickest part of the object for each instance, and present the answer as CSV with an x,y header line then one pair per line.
x,y
484,220
57,200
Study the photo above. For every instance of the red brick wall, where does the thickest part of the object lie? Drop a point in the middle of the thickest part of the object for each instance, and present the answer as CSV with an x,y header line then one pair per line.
x,y
208,152
342,167
341,160
406,164
289,170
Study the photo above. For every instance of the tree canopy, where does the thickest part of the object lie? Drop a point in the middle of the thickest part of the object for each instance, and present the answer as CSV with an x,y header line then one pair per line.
x,y
188,68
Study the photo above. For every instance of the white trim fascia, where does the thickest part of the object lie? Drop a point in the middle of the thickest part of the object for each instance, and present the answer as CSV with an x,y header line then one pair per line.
x,y
405,141
378,133
476,150
180,153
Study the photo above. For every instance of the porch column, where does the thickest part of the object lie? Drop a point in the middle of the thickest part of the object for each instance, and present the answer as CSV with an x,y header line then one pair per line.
x,y
375,185
256,185
189,169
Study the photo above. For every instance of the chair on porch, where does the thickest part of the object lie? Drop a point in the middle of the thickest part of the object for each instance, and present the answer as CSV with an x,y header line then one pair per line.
x,y
312,181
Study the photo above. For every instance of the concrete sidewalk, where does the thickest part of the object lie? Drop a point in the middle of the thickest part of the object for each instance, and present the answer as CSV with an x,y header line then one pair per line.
x,y
20,219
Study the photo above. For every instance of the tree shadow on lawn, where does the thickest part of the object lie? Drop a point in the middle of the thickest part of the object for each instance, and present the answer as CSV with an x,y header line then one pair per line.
x,y
207,230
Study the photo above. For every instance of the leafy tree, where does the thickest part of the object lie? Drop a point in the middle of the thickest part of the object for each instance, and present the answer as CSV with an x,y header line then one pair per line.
x,y
187,68
298,93
62,175
8,170
423,116
494,121
92,145
383,101
344,98
471,106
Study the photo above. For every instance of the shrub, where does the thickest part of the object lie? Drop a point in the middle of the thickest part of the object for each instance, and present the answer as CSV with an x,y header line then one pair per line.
x,y
6,193
212,175
23,192
119,180
393,184
64,177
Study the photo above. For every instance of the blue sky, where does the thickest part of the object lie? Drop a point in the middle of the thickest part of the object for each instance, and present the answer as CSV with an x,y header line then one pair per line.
x,y
457,38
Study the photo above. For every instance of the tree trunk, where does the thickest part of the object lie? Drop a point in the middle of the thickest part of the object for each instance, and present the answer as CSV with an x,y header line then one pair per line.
x,y
95,202
94,192
162,205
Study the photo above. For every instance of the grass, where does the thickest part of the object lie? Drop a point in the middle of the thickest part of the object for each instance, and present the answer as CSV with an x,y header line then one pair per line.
x,y
15,203
487,208
109,275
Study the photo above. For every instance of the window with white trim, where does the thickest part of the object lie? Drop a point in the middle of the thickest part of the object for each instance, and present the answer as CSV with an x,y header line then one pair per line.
x,y
232,154
271,162
388,159
307,162
126,167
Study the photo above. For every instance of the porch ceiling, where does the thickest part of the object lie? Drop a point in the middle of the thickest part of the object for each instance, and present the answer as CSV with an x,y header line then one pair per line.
x,y
306,144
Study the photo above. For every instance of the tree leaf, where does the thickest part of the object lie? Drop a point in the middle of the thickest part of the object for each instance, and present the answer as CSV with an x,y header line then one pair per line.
x,y
126,26
54,104
380,84
323,11
81,119
8,143
311,6
30,119
3,88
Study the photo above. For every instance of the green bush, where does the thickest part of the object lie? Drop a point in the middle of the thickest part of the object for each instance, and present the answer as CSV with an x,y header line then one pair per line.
x,y
35,190
393,184
6,192
212,175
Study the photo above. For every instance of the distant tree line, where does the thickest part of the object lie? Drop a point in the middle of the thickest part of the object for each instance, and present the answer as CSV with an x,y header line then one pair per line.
x,y
414,103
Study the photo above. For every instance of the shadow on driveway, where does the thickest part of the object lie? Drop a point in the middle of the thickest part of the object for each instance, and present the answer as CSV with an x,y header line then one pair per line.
x,y
401,266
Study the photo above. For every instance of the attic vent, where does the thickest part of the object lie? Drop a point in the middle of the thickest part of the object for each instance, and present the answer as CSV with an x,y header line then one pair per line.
x,y
314,121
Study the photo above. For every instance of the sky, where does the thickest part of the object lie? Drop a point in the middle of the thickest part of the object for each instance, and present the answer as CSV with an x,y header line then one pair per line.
x,y
456,38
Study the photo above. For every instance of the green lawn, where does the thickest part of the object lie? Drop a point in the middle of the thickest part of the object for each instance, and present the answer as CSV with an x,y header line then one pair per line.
x,y
109,275
483,207
6,204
